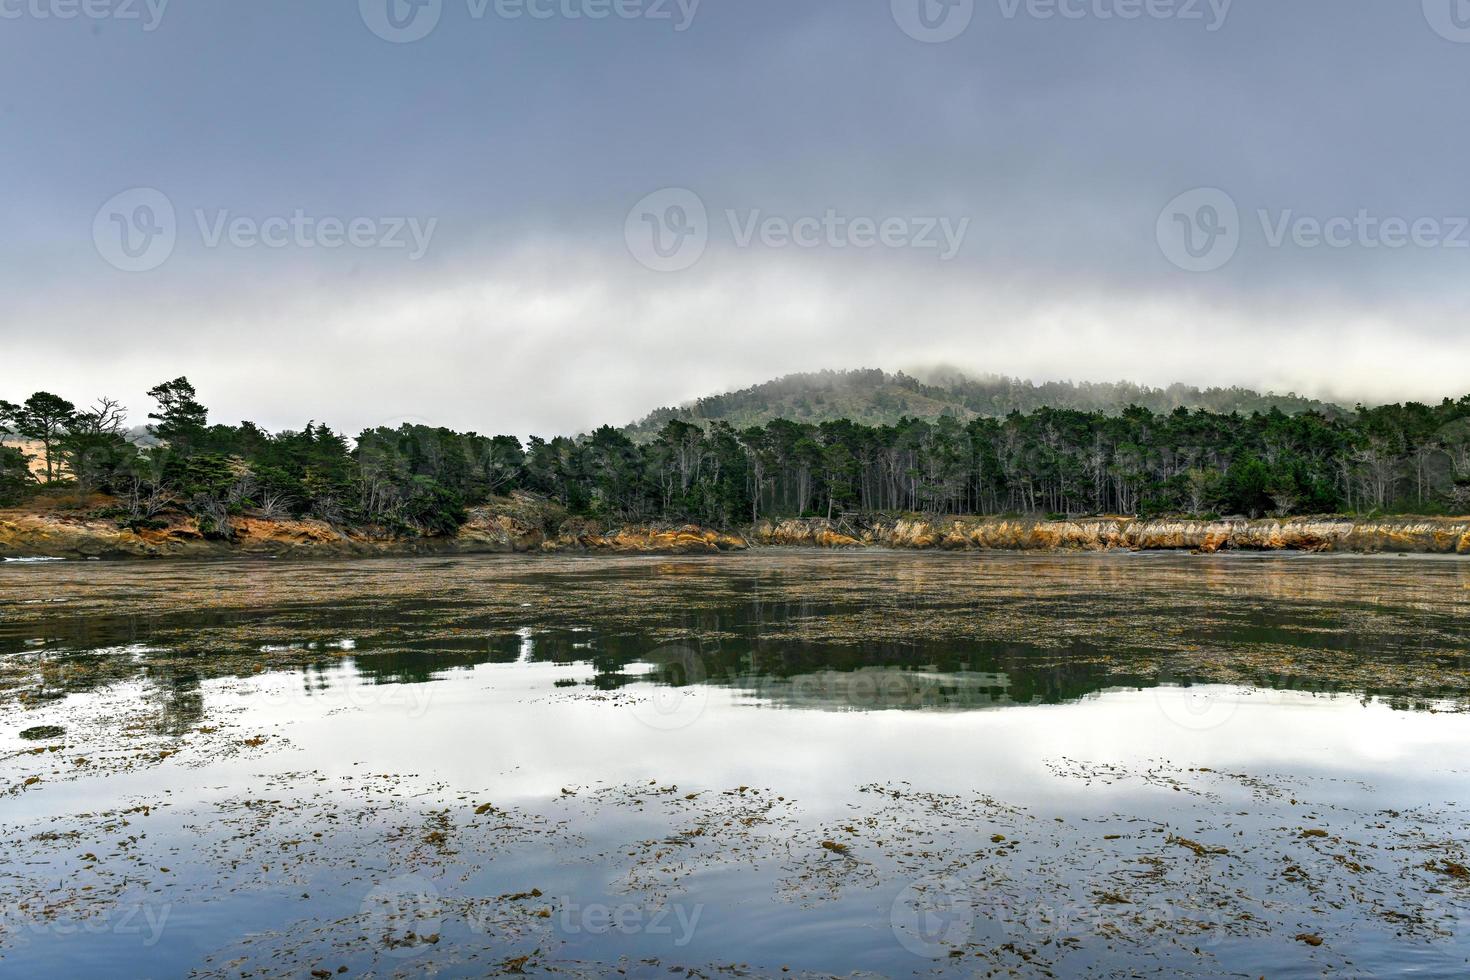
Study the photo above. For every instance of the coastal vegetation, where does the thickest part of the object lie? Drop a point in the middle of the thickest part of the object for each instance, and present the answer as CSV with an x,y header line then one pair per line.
x,y
1060,462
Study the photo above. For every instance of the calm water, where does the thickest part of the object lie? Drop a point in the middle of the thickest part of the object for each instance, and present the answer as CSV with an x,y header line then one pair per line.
x,y
772,764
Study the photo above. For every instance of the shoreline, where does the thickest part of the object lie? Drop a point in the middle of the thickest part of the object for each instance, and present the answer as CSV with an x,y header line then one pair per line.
x,y
516,529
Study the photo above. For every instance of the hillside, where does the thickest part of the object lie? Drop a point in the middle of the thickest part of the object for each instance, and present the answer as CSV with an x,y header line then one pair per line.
x,y
876,397
35,453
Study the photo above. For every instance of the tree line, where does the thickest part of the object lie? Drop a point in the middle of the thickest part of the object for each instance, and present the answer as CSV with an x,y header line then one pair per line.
x,y
1051,461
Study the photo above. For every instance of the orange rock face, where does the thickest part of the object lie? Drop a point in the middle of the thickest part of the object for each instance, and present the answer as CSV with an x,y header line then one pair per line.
x,y
818,534
689,539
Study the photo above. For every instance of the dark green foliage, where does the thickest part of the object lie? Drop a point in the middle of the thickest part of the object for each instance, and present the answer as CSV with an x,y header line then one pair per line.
x,y
421,477
1051,461
15,476
1246,487
206,474
213,488
43,417
180,419
432,508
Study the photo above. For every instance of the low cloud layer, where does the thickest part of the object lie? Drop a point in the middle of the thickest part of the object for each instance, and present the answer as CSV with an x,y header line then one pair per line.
x,y
556,340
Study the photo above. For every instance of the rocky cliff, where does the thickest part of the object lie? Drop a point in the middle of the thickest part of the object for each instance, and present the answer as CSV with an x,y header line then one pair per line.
x,y
508,527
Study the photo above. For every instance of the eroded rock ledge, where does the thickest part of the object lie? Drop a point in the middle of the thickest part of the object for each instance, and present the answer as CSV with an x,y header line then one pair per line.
x,y
517,528
511,528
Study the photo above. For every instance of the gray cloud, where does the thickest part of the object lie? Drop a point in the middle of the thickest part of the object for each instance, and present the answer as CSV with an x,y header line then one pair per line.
x,y
527,141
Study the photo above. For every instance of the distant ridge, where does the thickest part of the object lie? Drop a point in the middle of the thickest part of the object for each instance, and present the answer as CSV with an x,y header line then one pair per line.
x,y
876,397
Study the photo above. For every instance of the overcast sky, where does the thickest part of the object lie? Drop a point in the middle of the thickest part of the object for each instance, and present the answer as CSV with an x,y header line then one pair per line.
x,y
446,210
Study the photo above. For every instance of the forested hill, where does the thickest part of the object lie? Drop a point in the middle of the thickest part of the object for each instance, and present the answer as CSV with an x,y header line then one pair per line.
x,y
875,397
